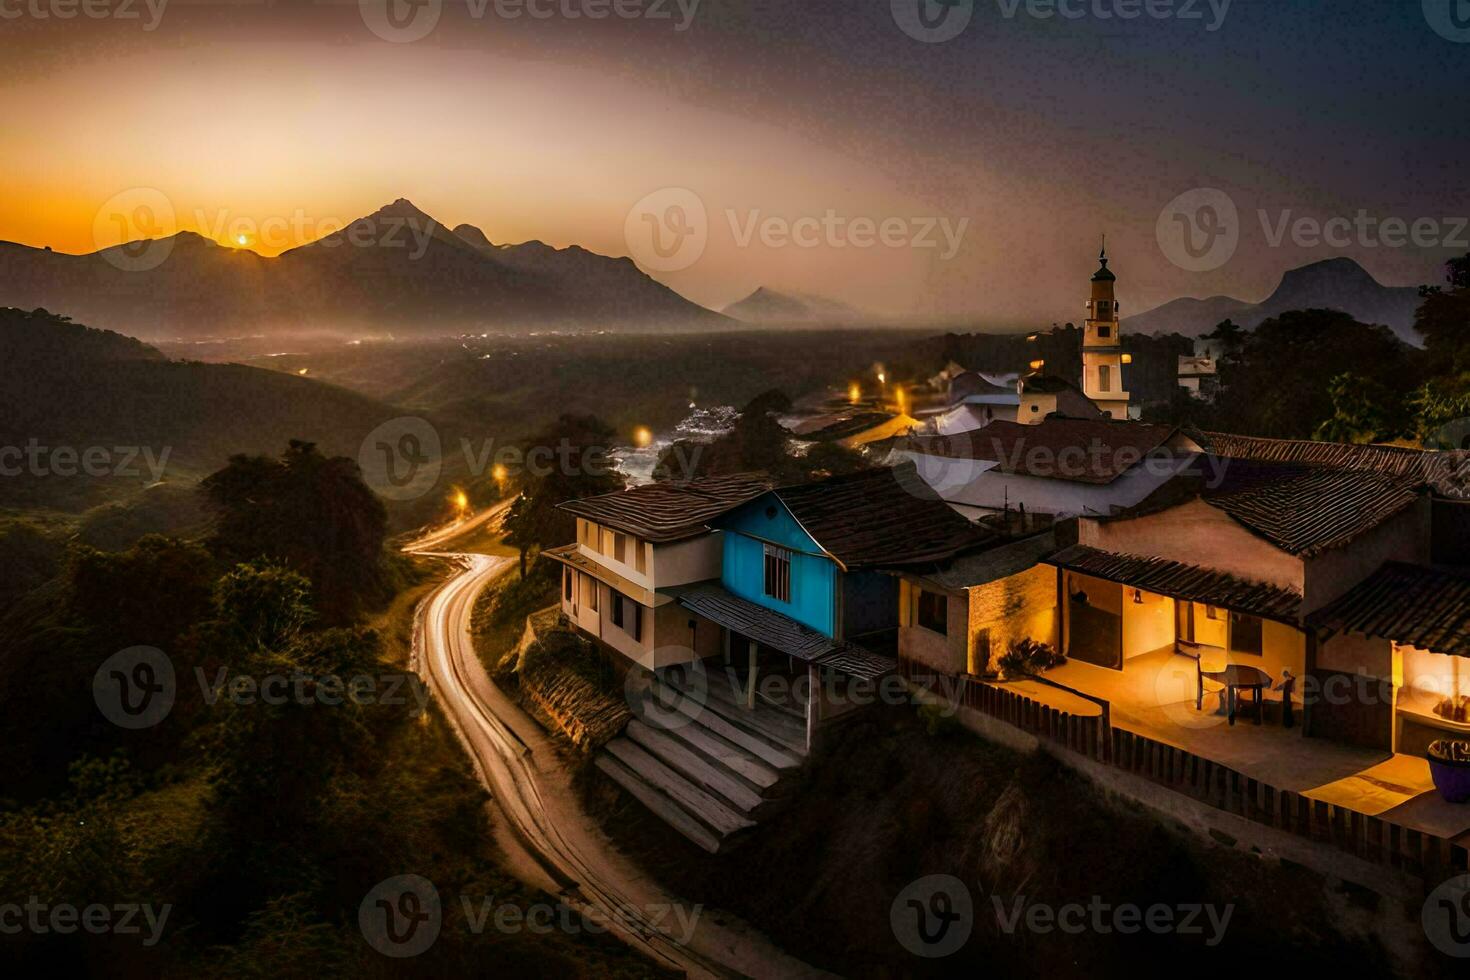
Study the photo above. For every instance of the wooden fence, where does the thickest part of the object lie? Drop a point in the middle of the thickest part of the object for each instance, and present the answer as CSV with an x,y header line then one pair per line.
x,y
1424,855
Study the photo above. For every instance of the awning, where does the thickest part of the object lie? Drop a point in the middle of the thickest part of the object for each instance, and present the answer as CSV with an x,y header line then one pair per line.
x,y
1428,608
781,633
1179,580
570,556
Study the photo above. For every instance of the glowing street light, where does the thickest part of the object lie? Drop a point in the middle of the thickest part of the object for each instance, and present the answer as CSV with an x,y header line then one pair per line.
x,y
499,472
642,437
854,392
461,501
1037,365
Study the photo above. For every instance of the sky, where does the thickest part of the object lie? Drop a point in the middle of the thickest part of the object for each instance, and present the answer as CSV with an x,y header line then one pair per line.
x,y
906,158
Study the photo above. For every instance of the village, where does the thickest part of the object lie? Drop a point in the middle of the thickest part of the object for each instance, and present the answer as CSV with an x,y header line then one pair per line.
x,y
1262,638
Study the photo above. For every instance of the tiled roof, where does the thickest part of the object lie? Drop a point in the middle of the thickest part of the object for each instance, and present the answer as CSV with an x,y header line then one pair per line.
x,y
1305,510
1424,607
1095,451
1447,472
1182,581
881,517
771,629
662,512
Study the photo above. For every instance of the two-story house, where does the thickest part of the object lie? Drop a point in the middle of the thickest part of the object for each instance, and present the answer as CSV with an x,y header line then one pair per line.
x,y
632,543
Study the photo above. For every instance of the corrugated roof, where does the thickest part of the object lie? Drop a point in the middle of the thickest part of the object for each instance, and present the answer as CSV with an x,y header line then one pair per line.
x,y
1305,510
1183,581
883,516
663,512
1093,451
1428,608
771,629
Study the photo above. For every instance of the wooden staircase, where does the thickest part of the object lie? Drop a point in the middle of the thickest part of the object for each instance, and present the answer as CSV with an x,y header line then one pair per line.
x,y
702,761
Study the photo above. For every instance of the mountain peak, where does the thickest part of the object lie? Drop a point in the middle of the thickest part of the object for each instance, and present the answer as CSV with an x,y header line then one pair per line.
x,y
473,236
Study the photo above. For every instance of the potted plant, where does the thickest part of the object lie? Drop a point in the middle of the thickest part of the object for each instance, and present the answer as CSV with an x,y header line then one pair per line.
x,y
1449,765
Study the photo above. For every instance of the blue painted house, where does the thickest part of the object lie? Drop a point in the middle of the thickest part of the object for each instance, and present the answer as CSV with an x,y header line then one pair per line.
x,y
815,553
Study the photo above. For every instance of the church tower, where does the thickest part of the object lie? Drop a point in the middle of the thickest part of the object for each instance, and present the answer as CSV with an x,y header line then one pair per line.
x,y
1102,346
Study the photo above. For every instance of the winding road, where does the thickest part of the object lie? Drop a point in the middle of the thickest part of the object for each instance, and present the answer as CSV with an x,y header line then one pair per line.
x,y
552,842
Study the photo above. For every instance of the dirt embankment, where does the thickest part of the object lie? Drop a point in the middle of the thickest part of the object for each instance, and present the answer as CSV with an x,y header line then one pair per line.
x,y
887,804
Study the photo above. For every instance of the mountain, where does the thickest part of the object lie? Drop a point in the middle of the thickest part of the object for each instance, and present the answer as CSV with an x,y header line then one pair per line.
x,y
621,290
67,390
397,270
1339,284
768,306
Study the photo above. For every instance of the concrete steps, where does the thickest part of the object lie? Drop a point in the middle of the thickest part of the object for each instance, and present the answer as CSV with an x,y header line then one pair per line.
x,y
708,767
664,808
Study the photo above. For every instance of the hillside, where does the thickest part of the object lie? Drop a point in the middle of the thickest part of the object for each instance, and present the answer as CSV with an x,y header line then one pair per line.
x,y
67,390
1337,284
396,271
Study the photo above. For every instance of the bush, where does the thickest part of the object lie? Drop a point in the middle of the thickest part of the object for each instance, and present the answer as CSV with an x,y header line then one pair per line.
x,y
1027,658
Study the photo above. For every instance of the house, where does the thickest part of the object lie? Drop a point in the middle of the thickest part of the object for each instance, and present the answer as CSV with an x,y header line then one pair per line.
x,y
1062,467
1045,395
1199,371
634,542
803,583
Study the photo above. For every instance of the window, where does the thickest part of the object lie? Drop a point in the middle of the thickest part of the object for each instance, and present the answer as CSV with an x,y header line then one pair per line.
x,y
627,615
566,588
640,554
1104,377
1245,633
933,611
620,547
1104,332
1103,312
592,593
778,573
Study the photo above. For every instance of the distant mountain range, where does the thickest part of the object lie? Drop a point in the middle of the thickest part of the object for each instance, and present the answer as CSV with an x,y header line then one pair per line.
x,y
1339,284
766,306
396,271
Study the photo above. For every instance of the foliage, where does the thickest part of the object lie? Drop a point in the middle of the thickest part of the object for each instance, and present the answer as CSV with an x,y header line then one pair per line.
x,y
1027,657
1443,318
146,595
574,451
268,605
1441,409
1363,411
1276,383
309,512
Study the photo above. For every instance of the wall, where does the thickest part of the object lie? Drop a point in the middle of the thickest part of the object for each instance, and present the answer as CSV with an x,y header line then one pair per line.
x,y
813,575
947,653
869,604
602,553
1404,537
681,562
813,582
1197,534
1020,606
1148,625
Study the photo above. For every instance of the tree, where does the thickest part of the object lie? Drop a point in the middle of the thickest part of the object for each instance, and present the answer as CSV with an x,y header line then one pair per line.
x,y
1443,318
266,605
1363,411
568,461
1277,384
1229,335
310,513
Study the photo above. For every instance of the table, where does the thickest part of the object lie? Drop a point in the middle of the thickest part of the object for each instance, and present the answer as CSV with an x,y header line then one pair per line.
x,y
1236,677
